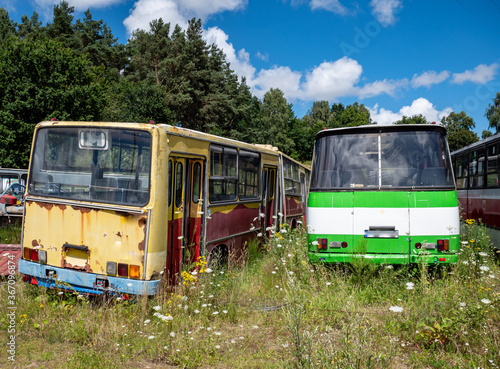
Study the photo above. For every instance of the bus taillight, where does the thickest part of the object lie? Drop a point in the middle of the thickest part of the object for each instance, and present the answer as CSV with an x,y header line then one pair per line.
x,y
344,244
134,271
322,244
418,245
443,245
123,270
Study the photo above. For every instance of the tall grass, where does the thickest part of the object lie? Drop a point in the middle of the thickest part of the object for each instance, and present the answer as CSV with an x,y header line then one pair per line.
x,y
277,311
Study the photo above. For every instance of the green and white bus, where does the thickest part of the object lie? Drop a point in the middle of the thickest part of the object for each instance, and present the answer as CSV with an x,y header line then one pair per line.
x,y
383,193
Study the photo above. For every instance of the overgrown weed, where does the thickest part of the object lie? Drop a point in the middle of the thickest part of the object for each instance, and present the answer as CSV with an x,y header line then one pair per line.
x,y
276,310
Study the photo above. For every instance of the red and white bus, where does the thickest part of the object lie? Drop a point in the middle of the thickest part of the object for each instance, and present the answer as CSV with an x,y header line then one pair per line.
x,y
477,173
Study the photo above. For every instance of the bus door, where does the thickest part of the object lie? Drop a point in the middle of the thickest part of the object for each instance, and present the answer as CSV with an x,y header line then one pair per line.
x,y
268,198
185,210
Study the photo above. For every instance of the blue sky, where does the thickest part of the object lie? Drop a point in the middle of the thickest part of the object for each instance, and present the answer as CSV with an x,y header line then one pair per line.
x,y
397,57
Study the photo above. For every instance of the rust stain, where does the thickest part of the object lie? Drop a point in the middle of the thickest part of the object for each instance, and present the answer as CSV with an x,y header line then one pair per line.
x,y
142,245
34,243
83,210
44,205
119,234
61,206
123,214
143,221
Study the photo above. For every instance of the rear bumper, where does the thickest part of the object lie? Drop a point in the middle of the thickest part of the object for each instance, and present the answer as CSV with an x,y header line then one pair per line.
x,y
335,258
82,282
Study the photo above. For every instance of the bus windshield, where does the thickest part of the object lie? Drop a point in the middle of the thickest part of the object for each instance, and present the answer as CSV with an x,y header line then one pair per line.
x,y
100,165
382,160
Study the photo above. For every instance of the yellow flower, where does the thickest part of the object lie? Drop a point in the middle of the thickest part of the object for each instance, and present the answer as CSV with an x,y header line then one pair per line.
x,y
472,241
470,221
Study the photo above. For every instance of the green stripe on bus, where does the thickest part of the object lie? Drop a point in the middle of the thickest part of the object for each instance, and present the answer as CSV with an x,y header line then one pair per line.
x,y
383,199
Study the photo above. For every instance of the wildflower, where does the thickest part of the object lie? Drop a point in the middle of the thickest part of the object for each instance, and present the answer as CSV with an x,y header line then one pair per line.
x,y
262,215
147,321
217,346
224,311
472,241
197,311
463,304
215,313
484,268
60,293
485,301
252,228
396,309
279,246
255,327
217,333
410,285
259,234
157,308
283,231
172,334
208,270
273,272
151,337
328,283
280,215
464,242
470,221
483,254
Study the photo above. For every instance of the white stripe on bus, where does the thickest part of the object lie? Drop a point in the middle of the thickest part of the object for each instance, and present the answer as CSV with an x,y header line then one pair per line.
x,y
424,221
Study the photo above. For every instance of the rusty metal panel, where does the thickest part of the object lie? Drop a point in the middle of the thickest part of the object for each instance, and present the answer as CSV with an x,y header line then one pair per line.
x,y
102,235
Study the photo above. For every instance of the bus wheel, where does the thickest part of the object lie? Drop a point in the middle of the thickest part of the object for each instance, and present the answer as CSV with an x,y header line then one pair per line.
x,y
219,258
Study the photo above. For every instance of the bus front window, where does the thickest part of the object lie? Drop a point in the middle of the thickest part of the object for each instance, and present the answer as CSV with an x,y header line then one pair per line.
x,y
382,160
100,165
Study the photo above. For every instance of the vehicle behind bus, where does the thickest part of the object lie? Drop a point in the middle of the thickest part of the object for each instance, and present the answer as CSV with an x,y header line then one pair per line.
x,y
383,193
477,172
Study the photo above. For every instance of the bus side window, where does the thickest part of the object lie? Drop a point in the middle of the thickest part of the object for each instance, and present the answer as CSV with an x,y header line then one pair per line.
x,y
178,186
169,182
492,167
196,182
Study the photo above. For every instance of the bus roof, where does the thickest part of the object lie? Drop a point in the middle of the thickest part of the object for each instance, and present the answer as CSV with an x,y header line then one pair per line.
x,y
495,137
374,128
180,131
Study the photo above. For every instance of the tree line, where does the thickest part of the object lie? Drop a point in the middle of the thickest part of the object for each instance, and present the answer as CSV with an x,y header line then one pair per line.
x,y
77,70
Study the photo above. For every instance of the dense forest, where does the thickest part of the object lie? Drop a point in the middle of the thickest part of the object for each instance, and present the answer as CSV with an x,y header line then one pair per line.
x,y
76,70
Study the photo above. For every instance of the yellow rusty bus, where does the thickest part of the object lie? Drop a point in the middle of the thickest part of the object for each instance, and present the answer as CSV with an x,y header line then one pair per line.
x,y
120,207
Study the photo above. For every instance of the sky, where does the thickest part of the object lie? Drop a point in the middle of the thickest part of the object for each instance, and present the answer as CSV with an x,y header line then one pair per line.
x,y
397,57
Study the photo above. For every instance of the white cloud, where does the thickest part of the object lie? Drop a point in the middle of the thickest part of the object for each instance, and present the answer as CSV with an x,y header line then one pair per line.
x,y
283,78
429,78
481,74
146,11
376,88
418,106
331,80
384,11
79,5
176,11
239,62
330,5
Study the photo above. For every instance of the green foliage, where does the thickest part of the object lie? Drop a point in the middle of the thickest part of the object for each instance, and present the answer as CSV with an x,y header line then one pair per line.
x,y
137,102
486,134
414,119
7,26
40,80
455,122
274,121
493,113
461,138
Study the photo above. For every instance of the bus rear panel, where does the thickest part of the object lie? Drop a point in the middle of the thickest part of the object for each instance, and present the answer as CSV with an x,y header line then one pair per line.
x,y
385,194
